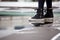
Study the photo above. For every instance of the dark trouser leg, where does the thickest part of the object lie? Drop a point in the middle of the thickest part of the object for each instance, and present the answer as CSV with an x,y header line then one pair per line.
x,y
49,8
49,14
39,13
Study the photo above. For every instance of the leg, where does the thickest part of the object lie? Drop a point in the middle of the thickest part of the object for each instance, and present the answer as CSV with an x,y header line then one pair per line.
x,y
49,14
39,15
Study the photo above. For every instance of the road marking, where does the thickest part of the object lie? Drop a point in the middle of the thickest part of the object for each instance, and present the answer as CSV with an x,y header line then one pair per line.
x,y
56,36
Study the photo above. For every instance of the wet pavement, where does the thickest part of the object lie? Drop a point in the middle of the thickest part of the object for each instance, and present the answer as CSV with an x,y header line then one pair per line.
x,y
43,32
37,33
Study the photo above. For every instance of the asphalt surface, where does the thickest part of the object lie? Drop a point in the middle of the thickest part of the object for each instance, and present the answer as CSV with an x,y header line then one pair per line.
x,y
43,32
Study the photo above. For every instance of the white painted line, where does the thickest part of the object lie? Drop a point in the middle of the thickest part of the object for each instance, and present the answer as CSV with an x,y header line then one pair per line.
x,y
56,36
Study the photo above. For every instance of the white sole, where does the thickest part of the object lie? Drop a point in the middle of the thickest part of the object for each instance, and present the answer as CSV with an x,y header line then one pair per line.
x,y
36,21
48,19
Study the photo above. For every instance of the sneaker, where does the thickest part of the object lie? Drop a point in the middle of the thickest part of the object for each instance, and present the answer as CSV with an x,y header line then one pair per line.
x,y
48,16
38,18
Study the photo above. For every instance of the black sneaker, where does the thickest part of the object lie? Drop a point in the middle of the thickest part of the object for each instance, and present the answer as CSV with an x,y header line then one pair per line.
x,y
48,20
48,17
38,19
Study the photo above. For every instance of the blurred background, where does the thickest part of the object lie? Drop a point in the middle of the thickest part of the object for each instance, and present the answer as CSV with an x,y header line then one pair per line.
x,y
12,16
9,11
23,0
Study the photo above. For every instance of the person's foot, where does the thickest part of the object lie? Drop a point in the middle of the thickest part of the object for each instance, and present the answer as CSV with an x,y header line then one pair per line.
x,y
49,16
37,20
48,20
36,17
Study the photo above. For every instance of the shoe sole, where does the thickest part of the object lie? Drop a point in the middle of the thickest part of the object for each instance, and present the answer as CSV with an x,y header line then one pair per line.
x,y
36,20
48,20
